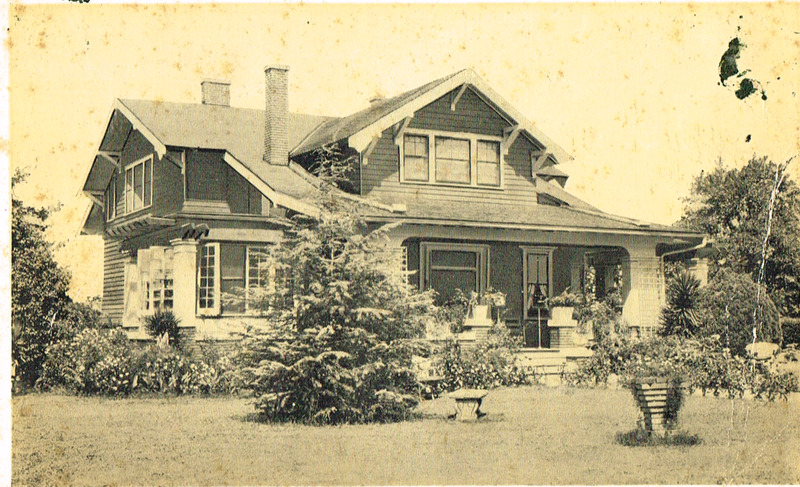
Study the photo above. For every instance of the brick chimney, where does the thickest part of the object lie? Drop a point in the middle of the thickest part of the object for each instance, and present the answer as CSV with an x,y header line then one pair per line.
x,y
276,119
216,92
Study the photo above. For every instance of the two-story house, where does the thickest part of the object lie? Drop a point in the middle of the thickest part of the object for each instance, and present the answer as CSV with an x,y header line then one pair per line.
x,y
185,196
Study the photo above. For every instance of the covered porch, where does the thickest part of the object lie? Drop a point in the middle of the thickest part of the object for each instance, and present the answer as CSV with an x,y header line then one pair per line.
x,y
528,266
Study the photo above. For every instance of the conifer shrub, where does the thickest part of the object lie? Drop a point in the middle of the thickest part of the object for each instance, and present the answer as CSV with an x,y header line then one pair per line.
x,y
345,320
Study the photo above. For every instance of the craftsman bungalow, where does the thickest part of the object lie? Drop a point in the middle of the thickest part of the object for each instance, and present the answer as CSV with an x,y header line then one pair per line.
x,y
185,195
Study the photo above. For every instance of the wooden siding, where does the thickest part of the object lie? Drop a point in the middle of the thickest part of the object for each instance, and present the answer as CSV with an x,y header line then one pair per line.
x,y
209,177
113,280
381,176
471,115
505,270
167,196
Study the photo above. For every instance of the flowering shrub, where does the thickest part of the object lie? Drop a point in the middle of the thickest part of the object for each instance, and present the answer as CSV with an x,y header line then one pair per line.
x,y
93,362
491,363
99,362
701,364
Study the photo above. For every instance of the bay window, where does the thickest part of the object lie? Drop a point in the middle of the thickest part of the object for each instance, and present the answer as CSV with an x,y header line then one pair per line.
x,y
139,184
449,158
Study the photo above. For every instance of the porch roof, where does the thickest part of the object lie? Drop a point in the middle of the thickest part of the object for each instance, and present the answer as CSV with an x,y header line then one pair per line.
x,y
533,216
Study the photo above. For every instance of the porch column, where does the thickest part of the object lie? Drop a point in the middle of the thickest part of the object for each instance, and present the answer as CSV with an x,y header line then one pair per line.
x,y
184,275
698,267
642,309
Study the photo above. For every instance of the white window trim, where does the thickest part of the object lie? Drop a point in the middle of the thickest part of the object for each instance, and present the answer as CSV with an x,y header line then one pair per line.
x,y
526,251
131,168
110,198
473,157
270,284
484,268
160,285
215,310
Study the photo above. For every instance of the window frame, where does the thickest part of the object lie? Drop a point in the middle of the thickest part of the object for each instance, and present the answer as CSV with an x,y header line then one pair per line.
x,y
216,280
130,186
473,140
535,250
483,267
256,249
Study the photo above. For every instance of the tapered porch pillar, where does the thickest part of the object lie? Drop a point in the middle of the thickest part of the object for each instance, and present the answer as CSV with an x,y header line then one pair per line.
x,y
184,272
642,309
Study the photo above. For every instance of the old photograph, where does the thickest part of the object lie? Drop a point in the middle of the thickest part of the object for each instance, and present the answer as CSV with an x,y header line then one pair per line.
x,y
403,244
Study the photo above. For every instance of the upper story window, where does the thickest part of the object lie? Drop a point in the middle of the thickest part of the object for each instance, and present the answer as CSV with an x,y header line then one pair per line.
x,y
139,185
111,199
446,158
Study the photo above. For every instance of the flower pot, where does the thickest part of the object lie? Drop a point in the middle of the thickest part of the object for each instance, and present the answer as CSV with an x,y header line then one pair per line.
x,y
659,400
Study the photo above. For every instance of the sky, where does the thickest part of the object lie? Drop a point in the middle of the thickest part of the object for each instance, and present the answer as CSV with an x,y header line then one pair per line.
x,y
631,91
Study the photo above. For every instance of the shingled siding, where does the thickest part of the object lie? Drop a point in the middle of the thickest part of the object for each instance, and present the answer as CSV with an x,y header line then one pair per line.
x,y
113,280
381,176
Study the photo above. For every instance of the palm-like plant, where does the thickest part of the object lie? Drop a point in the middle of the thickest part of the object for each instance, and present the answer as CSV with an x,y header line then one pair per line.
x,y
679,317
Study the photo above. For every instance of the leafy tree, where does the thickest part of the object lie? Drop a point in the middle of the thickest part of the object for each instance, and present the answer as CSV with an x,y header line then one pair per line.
x,y
737,310
346,320
753,214
39,300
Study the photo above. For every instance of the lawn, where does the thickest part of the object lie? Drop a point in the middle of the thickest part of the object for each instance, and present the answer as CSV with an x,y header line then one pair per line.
x,y
530,436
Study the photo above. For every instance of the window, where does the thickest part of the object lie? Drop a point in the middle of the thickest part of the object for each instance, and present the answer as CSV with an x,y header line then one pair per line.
x,y
447,158
448,267
111,199
139,185
415,157
155,267
488,163
208,280
257,277
537,275
452,160
162,293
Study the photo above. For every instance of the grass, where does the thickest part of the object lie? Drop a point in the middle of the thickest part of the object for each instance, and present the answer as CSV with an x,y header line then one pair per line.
x,y
530,436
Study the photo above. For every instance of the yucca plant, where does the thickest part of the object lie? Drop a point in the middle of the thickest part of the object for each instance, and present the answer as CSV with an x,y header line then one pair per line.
x,y
679,317
161,322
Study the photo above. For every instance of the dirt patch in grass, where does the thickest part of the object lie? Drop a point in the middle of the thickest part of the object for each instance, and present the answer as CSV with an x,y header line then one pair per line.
x,y
530,436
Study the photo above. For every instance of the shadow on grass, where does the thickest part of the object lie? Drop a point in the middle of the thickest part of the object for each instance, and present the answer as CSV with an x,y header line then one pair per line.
x,y
640,437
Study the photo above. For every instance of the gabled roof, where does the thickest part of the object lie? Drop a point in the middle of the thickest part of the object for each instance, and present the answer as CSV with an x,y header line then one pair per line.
x,y
239,131
361,127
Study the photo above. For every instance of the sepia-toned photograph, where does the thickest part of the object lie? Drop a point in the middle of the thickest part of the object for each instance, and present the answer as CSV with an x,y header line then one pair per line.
x,y
403,244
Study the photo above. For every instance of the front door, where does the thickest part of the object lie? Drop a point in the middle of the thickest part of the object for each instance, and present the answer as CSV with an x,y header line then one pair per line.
x,y
537,277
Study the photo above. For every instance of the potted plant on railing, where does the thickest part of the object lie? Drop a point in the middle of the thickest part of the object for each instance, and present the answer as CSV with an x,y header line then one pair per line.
x,y
484,310
659,393
562,313
562,307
